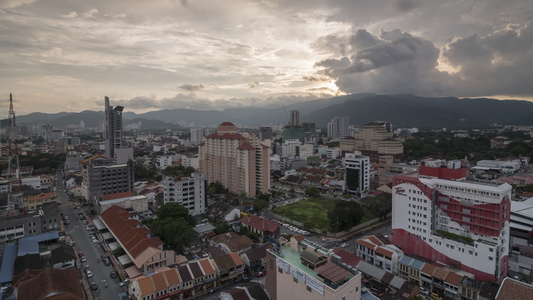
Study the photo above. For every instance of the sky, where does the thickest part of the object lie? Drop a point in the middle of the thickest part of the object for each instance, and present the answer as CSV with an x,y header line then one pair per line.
x,y
66,55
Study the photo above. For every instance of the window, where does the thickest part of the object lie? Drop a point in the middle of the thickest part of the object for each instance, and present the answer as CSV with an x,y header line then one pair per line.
x,y
295,280
491,258
308,289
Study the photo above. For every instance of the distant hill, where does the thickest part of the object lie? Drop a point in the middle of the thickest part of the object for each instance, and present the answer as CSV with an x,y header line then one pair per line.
x,y
401,110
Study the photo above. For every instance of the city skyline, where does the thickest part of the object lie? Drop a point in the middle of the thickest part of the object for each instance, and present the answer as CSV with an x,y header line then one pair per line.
x,y
66,56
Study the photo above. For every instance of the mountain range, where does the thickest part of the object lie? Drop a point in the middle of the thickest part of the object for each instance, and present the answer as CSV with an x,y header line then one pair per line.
x,y
400,110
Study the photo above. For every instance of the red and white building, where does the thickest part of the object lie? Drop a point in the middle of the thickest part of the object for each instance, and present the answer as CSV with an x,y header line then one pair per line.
x,y
440,215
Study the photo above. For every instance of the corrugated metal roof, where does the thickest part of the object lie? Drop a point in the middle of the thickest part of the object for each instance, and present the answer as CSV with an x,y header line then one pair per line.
x,y
8,263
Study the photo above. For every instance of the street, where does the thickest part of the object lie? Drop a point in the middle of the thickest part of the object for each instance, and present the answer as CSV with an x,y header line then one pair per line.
x,y
93,252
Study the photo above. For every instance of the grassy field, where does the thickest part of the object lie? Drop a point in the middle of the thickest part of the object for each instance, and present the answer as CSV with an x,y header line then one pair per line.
x,y
314,210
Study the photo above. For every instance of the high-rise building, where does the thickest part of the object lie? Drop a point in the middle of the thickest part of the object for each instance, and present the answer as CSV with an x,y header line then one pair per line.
x,y
238,161
440,215
357,172
101,176
191,192
338,128
113,128
295,118
197,135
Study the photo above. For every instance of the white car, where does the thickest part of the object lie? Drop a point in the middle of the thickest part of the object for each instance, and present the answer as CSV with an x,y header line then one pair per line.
x,y
89,274
344,245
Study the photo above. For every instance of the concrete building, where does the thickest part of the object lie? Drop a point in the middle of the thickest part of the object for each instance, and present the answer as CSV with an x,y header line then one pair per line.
x,y
162,162
191,192
312,273
376,137
339,128
14,225
197,135
356,172
192,161
113,128
290,148
102,177
295,118
37,202
124,200
441,216
238,161
377,251
73,162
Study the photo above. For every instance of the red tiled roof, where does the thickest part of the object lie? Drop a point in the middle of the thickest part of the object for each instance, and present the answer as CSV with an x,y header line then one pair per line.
x,y
428,269
332,272
118,195
128,232
384,252
246,147
299,238
347,257
454,278
226,136
512,289
227,124
440,273
260,224
51,281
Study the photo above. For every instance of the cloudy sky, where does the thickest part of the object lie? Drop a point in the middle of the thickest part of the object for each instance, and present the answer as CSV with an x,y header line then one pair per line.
x,y
64,55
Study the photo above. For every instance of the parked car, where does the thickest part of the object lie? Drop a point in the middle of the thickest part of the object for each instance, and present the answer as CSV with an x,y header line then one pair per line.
x,y
260,274
125,282
94,286
107,262
89,274
89,227
113,274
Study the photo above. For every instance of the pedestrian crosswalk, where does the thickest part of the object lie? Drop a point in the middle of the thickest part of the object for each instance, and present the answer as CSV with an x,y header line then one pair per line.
x,y
66,204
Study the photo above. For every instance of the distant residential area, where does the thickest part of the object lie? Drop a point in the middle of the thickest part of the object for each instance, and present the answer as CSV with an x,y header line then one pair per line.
x,y
282,211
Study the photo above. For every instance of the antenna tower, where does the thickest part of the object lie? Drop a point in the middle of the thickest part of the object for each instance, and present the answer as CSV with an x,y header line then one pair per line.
x,y
14,189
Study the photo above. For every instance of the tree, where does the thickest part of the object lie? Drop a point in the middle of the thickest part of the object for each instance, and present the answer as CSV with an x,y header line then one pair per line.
x,y
312,191
221,227
173,225
379,205
175,210
259,204
215,188
347,214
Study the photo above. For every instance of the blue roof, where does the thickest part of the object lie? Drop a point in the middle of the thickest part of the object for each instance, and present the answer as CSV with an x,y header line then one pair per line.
x,y
8,263
47,236
417,264
405,260
30,244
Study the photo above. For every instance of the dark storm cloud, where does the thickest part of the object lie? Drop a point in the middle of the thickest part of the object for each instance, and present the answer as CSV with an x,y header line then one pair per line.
x,y
406,5
312,78
191,87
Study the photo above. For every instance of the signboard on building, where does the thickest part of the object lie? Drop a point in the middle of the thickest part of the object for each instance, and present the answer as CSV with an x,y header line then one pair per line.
x,y
282,264
315,285
298,274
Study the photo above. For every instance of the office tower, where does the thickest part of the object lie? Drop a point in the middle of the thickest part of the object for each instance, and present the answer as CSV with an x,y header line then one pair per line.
x,y
238,161
295,118
101,176
338,128
440,215
357,172
113,128
197,135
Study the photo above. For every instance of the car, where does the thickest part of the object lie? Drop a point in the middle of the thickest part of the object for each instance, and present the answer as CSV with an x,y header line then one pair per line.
x,y
125,282
89,227
344,245
260,274
107,262
83,259
89,274
95,241
113,274
104,257
325,240
87,268
94,286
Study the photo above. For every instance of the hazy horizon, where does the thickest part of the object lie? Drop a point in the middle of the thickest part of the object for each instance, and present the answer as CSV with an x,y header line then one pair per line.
x,y
64,56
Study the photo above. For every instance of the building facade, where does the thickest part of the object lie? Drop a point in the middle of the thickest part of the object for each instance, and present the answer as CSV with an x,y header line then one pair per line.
x,y
238,161
191,192
338,128
356,172
103,177
113,128
441,216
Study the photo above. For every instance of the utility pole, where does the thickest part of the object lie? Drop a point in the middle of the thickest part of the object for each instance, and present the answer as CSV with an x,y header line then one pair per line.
x,y
15,199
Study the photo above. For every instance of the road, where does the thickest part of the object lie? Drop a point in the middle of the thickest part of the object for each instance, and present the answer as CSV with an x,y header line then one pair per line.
x,y
101,272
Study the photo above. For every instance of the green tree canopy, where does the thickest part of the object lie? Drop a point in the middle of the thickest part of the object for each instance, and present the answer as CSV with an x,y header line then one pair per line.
x,y
180,170
347,214
312,191
173,225
379,205
174,210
